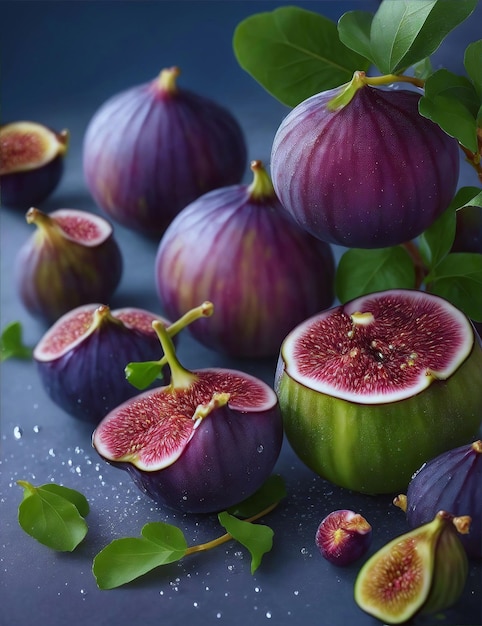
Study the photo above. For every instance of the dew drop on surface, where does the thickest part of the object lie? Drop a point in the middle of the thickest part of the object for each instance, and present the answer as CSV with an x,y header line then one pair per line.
x,y
304,551
218,615
257,589
260,448
36,428
17,432
268,614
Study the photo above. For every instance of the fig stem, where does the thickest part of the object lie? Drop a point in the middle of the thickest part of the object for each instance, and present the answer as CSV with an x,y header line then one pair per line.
x,y
205,309
181,378
261,187
167,79
227,536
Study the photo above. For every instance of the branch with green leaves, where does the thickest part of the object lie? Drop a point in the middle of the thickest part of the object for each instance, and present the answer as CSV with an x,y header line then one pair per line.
x,y
54,516
11,343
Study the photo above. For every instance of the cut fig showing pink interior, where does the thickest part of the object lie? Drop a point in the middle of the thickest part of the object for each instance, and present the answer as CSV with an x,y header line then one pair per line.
x,y
27,146
83,227
73,327
379,348
152,430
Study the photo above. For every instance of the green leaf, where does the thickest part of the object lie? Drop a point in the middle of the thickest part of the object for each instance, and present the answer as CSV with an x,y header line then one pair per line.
x,y
362,271
51,514
406,31
458,278
126,559
472,64
354,31
11,343
271,492
294,53
452,102
436,242
143,373
258,539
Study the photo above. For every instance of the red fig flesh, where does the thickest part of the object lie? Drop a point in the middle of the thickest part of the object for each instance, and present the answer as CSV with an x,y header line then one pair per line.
x,y
343,536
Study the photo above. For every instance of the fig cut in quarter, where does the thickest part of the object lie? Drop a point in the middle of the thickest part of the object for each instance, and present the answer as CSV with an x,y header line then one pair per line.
x,y
372,389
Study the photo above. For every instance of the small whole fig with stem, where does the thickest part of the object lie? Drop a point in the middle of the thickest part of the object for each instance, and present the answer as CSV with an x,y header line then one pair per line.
x,y
31,162
81,359
201,444
451,481
360,167
343,537
71,259
152,149
355,383
238,248
422,571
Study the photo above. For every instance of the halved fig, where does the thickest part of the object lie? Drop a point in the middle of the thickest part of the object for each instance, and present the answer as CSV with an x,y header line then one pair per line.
x,y
70,260
371,389
201,444
31,162
422,571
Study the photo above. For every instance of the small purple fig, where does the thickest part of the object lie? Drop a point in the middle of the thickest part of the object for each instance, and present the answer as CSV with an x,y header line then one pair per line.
x,y
365,172
422,571
81,359
343,537
71,259
238,248
31,162
370,389
203,443
451,481
155,147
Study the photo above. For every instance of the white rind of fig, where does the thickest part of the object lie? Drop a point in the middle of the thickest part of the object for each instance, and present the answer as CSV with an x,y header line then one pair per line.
x,y
372,389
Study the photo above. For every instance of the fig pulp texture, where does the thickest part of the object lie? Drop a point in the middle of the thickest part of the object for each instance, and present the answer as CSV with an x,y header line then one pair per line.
x,y
31,162
371,389
201,444
369,173
70,260
422,571
343,537
81,358
239,249
151,150
453,482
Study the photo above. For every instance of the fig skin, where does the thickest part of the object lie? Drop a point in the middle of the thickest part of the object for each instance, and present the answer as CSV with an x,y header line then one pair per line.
x,y
55,272
452,482
375,448
231,455
27,185
238,248
370,174
88,380
152,149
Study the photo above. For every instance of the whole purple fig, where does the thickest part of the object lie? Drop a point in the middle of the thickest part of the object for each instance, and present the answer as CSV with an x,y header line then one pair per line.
x,y
238,248
31,162
154,148
71,259
365,172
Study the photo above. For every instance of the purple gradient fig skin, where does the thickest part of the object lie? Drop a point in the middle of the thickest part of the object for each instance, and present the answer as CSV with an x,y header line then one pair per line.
x,y
152,149
32,162
71,259
200,445
343,537
238,248
451,481
81,358
369,173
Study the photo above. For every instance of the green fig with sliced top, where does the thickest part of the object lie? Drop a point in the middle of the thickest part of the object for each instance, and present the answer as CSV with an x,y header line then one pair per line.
x,y
422,571
371,389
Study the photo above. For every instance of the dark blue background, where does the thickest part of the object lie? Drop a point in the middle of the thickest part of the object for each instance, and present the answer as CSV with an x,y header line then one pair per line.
x,y
60,62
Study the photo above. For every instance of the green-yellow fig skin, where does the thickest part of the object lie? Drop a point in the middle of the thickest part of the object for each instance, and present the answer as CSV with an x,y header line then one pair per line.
x,y
375,449
436,545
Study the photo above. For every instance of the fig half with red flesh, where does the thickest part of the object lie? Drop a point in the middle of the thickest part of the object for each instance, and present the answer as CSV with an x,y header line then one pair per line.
x,y
81,359
201,444
371,389
31,162
70,260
